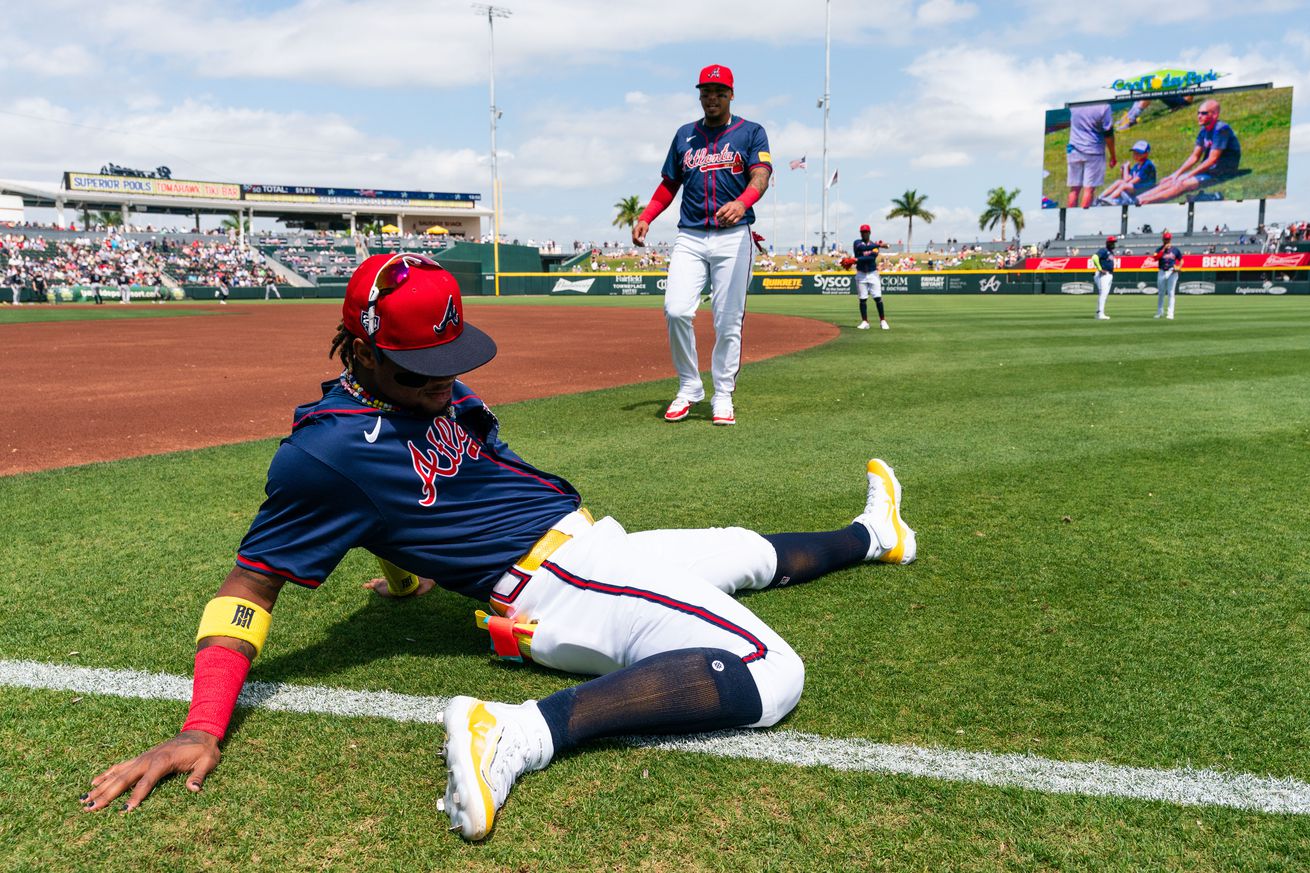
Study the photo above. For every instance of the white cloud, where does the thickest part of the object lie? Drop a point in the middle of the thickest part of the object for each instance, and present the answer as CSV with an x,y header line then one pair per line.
x,y
933,13
934,160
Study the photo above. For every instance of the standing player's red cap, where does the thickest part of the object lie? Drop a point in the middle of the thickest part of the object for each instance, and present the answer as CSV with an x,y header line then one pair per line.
x,y
864,227
410,307
715,74
1168,235
1109,240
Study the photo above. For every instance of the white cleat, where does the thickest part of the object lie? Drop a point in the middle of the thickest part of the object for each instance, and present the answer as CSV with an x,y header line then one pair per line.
x,y
724,414
884,325
488,747
1170,317
891,541
863,325
1101,316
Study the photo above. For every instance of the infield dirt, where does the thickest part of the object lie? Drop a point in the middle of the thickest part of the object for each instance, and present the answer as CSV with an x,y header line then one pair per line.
x,y
100,390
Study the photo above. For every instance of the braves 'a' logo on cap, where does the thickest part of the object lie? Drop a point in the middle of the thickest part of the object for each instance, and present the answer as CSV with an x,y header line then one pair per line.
x,y
714,73
450,318
369,321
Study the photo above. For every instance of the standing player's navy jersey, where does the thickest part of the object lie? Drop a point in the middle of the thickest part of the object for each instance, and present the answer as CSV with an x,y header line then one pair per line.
x,y
713,164
1103,260
1222,137
1169,257
442,497
866,255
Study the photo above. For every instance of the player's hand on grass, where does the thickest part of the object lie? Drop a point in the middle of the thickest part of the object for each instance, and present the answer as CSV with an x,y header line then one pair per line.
x,y
192,752
639,231
379,587
730,213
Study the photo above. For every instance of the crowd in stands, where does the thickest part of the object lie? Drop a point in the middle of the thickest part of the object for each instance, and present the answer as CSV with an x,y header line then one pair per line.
x,y
108,260
198,263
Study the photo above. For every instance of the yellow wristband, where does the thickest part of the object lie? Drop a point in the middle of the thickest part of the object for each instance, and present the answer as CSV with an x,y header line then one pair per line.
x,y
399,582
235,617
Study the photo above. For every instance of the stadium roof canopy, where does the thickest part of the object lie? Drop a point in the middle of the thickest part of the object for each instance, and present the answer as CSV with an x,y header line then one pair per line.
x,y
461,213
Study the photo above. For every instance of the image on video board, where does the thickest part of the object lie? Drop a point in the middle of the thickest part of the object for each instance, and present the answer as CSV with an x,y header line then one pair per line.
x,y
1222,145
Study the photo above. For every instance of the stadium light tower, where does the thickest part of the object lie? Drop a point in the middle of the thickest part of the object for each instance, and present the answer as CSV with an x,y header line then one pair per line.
x,y
492,13
827,100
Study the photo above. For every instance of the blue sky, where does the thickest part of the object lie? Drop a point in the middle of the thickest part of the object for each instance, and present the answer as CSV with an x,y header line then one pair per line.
x,y
943,96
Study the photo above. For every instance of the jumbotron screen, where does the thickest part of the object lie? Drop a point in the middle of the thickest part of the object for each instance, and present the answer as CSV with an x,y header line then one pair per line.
x,y
1228,144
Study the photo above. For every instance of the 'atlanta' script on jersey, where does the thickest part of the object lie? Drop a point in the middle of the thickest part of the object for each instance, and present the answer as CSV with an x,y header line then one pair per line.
x,y
451,444
707,161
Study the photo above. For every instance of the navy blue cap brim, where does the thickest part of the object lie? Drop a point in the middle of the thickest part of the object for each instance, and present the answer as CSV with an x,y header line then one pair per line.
x,y
470,350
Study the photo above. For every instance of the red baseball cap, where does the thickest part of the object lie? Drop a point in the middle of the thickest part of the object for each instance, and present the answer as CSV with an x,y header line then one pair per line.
x,y
417,316
715,74
864,227
1109,240
1168,235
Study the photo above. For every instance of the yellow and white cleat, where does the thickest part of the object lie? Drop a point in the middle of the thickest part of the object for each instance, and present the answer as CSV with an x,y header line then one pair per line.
x,y
488,747
891,539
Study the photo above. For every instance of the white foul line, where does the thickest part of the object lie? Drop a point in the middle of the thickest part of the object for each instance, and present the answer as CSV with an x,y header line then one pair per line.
x,y
1187,786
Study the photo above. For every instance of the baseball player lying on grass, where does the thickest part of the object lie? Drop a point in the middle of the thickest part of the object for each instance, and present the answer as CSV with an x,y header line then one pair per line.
x,y
400,458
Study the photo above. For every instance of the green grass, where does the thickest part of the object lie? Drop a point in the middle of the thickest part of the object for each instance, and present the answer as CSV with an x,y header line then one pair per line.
x,y
1114,560
1262,120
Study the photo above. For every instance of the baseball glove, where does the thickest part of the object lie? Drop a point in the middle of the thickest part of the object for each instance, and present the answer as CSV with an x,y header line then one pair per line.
x,y
848,262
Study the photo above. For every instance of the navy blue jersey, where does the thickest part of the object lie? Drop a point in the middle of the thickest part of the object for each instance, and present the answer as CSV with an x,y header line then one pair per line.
x,y
1142,175
1103,260
445,498
713,164
1169,257
1222,137
866,255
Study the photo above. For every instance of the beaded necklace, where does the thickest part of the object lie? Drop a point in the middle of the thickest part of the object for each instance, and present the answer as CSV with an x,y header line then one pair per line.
x,y
355,390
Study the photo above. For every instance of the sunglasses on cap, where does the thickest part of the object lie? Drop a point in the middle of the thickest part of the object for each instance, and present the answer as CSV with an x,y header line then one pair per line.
x,y
390,277
403,377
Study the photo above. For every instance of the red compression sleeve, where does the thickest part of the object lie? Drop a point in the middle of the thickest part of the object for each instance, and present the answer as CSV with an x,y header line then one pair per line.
x,y
749,197
659,201
219,675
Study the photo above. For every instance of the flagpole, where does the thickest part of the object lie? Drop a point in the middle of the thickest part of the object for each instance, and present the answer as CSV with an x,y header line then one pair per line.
x,y
805,218
827,68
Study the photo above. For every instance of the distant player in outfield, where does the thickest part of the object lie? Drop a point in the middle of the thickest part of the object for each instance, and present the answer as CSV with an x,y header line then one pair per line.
x,y
400,457
722,163
1091,143
1166,280
867,280
1103,278
1214,159
1138,178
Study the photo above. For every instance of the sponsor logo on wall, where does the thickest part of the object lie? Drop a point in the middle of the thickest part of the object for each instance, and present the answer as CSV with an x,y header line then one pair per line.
x,y
932,283
577,286
1265,288
1077,288
833,284
629,285
895,283
1196,288
790,283
991,284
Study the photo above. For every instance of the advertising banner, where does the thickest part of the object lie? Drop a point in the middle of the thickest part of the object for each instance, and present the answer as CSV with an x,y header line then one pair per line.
x,y
838,283
1270,261
151,187
378,197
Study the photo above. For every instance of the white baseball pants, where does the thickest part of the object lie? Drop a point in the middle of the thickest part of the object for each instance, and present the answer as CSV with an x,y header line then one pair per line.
x,y
1104,281
867,284
1167,283
607,599
723,259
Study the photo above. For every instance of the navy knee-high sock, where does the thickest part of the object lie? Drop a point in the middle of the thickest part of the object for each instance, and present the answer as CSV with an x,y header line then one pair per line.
x,y
806,556
881,315
684,691
864,309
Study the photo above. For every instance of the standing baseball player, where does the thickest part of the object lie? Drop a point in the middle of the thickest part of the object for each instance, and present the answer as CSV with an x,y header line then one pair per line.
x,y
270,287
867,280
401,458
1103,264
722,164
1170,258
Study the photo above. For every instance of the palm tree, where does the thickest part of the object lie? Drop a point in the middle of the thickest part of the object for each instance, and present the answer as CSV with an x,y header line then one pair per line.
x,y
106,218
629,211
910,205
230,223
1001,208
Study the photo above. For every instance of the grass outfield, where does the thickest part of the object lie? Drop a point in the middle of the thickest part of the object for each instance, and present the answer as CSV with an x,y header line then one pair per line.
x,y
1114,563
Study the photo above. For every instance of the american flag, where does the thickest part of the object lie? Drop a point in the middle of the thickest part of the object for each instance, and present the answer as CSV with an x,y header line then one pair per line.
x,y
798,164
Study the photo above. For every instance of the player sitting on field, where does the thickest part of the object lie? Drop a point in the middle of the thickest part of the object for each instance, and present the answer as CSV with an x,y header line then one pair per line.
x,y
400,457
